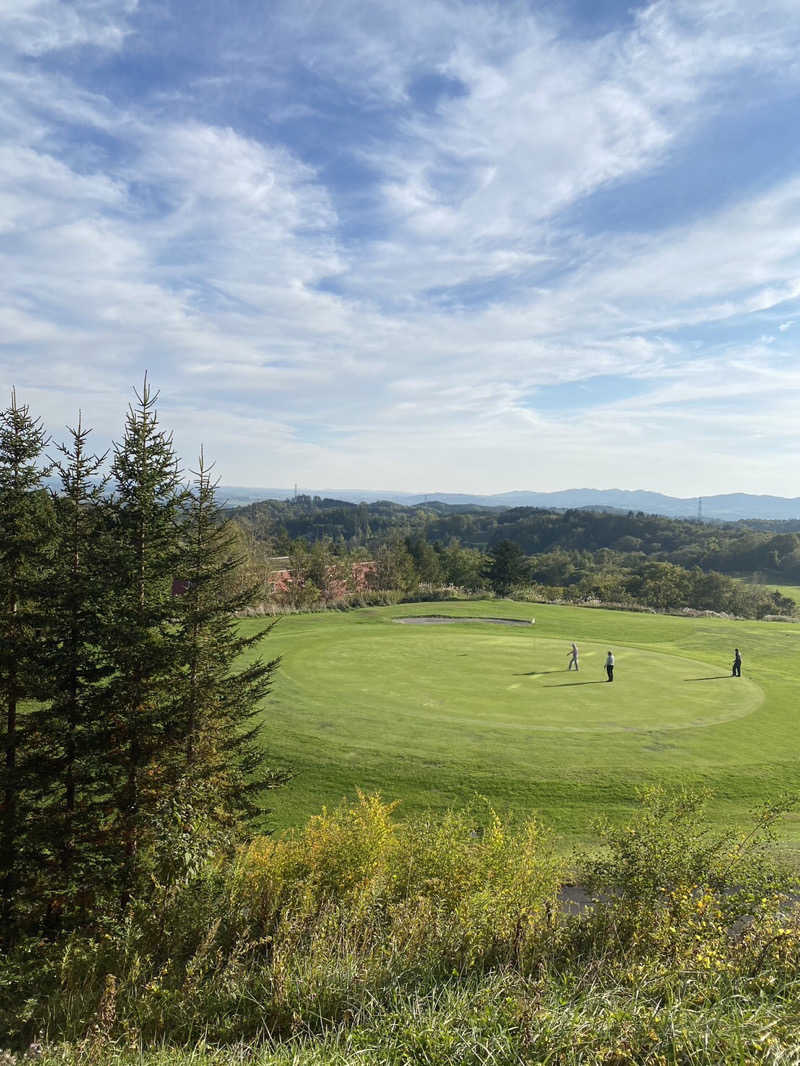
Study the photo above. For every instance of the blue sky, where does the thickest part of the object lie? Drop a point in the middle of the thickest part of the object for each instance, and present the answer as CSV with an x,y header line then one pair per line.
x,y
461,245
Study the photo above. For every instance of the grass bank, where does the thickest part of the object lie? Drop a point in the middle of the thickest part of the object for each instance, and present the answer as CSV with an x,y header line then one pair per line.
x,y
363,938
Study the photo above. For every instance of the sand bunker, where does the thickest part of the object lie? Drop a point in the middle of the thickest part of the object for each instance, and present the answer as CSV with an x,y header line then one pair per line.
x,y
446,619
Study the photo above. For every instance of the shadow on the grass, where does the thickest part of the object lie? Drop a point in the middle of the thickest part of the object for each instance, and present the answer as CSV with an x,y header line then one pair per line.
x,y
538,673
715,677
572,684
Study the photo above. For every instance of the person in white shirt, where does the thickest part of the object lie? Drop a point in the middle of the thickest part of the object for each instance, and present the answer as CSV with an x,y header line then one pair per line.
x,y
573,654
610,665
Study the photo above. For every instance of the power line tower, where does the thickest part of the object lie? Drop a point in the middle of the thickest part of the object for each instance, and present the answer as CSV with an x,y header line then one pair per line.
x,y
699,508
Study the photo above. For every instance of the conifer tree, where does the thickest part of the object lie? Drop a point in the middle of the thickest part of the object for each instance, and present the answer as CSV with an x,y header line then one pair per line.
x,y
219,705
70,725
142,646
24,537
507,566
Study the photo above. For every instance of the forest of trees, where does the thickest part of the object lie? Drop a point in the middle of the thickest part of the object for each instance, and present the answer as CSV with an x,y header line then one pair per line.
x,y
772,549
130,738
629,559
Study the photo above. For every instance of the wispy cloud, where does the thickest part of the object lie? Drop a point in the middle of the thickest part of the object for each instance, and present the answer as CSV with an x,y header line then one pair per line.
x,y
357,244
36,27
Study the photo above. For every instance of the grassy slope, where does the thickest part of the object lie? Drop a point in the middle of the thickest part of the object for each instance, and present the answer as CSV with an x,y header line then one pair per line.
x,y
433,715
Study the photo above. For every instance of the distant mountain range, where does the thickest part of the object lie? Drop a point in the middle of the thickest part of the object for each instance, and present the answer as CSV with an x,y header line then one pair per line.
x,y
727,507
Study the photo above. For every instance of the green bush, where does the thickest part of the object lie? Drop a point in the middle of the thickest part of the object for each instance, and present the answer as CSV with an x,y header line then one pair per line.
x,y
301,931
365,939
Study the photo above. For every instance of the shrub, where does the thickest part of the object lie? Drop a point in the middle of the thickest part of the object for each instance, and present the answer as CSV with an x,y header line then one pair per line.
x,y
671,890
361,938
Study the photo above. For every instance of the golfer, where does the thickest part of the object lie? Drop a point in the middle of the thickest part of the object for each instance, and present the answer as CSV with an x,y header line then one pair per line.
x,y
573,656
610,665
737,663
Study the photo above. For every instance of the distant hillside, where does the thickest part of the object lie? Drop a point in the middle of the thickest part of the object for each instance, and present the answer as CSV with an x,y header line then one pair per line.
x,y
770,548
727,507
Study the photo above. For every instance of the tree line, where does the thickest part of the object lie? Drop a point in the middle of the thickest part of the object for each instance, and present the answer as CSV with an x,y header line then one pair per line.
x,y
772,549
411,566
130,728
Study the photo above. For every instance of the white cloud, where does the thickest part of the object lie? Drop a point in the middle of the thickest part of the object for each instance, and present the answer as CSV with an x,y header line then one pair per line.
x,y
35,27
472,191
211,253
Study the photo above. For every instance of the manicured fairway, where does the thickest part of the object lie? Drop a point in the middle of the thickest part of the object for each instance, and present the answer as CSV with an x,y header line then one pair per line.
x,y
433,714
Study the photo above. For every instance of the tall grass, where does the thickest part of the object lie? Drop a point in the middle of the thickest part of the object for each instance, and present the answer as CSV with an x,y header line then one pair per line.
x,y
364,938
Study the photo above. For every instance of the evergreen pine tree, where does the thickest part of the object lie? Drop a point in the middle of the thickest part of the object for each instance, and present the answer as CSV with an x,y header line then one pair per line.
x,y
507,567
70,725
24,535
142,644
219,706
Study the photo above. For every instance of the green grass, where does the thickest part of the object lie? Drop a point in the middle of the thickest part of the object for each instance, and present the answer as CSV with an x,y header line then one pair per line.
x,y
792,592
432,715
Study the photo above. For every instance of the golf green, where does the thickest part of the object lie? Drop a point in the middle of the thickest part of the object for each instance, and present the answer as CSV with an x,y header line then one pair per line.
x,y
434,712
448,679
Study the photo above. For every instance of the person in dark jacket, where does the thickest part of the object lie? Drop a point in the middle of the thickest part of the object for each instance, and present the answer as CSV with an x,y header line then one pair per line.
x,y
737,663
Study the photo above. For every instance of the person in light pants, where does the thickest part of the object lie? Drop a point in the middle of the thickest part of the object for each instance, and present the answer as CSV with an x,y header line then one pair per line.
x,y
610,666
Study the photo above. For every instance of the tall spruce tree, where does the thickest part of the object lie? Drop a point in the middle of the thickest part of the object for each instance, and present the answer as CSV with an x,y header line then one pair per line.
x,y
507,567
142,644
219,704
70,725
24,542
